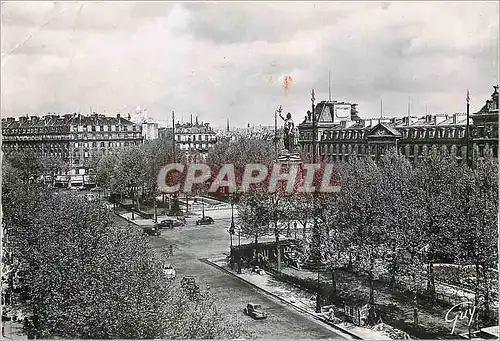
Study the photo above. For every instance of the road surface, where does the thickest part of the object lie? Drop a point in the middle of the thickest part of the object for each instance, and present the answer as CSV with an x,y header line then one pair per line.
x,y
190,243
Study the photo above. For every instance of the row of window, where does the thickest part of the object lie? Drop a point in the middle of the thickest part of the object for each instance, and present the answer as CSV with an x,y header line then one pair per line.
x,y
434,133
194,137
103,144
408,150
106,136
34,130
94,128
407,133
194,146
73,136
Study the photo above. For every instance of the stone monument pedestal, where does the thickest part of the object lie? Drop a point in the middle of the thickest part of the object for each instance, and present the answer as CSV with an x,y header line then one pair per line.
x,y
285,156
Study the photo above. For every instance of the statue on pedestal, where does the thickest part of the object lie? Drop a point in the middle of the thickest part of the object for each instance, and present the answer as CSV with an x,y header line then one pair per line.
x,y
288,131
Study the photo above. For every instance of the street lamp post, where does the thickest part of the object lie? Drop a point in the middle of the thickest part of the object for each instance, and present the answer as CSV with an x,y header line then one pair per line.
x,y
156,212
239,251
231,233
316,233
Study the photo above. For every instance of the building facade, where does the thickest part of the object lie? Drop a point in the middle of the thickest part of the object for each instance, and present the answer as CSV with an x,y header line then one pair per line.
x,y
485,127
194,140
340,137
150,131
76,139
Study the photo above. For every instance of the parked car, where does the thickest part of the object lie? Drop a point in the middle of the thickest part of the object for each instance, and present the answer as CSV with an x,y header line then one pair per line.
x,y
255,311
169,271
169,223
188,284
151,231
205,221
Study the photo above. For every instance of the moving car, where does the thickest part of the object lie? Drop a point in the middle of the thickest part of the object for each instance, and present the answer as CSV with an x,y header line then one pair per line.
x,y
151,231
169,223
205,221
255,311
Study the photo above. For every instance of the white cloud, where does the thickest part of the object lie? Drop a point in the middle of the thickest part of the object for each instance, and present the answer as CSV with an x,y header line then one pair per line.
x,y
223,60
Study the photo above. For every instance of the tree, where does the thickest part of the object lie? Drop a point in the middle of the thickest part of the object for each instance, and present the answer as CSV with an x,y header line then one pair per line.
x,y
403,210
436,179
89,279
361,217
478,232
253,217
105,171
130,170
27,163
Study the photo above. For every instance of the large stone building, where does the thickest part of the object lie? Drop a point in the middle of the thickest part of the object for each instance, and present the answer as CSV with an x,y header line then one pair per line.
x,y
194,140
341,134
74,138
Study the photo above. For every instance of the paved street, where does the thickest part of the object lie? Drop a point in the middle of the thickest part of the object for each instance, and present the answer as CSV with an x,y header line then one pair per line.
x,y
194,242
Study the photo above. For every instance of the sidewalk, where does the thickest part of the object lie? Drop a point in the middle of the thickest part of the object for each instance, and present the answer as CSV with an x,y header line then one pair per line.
x,y
298,298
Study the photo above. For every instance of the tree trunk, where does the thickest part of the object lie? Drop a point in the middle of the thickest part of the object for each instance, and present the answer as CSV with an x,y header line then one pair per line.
x,y
393,267
371,301
278,249
415,302
334,283
431,286
415,308
304,230
476,289
486,295
349,265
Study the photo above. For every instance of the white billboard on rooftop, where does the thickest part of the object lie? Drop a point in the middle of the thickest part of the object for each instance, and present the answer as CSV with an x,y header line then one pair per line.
x,y
342,110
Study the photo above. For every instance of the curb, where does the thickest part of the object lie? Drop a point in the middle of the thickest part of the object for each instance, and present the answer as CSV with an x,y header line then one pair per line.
x,y
128,220
345,331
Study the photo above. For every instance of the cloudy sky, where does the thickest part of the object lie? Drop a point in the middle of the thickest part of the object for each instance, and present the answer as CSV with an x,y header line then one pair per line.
x,y
228,60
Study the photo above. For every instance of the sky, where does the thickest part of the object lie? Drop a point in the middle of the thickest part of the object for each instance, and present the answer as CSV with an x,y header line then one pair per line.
x,y
241,60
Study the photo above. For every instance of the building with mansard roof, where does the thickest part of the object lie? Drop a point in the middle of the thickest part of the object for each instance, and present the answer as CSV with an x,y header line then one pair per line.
x,y
76,139
194,140
341,134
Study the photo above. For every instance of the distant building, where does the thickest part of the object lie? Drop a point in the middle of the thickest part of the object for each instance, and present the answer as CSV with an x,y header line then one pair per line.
x,y
485,128
74,138
341,134
150,130
165,133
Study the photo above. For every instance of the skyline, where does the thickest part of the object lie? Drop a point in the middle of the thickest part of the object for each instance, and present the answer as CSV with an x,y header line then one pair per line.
x,y
242,60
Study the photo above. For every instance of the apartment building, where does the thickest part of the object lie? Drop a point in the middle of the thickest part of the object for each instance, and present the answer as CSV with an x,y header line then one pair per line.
x,y
194,140
74,138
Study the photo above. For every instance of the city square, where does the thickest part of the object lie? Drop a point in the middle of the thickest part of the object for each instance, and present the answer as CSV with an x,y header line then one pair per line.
x,y
242,201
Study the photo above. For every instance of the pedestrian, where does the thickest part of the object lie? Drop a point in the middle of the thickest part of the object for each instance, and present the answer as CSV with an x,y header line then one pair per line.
x,y
331,314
